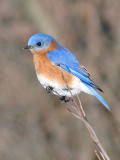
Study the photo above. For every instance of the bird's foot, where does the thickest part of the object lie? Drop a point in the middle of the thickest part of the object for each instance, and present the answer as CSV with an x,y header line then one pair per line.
x,y
49,89
64,100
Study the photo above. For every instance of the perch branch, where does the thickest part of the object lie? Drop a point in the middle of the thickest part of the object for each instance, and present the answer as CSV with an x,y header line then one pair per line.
x,y
78,111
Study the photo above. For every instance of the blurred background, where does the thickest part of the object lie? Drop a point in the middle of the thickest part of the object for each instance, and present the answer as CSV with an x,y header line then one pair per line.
x,y
35,125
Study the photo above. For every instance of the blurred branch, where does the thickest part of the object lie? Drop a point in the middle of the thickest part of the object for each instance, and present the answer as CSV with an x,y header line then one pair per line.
x,y
41,17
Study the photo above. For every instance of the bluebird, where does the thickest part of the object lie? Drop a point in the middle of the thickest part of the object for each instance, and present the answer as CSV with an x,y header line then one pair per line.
x,y
59,71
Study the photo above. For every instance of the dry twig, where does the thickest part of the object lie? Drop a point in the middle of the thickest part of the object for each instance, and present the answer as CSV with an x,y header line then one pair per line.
x,y
97,155
78,111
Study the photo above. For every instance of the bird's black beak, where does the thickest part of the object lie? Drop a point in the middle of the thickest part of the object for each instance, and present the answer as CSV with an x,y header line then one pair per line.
x,y
27,47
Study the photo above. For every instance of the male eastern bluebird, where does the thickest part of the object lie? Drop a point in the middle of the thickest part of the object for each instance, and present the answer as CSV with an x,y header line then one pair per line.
x,y
58,70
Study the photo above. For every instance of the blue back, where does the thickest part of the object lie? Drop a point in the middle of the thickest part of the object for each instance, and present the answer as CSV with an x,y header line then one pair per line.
x,y
66,60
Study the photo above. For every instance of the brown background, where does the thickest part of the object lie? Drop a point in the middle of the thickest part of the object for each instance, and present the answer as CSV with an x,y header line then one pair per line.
x,y
33,124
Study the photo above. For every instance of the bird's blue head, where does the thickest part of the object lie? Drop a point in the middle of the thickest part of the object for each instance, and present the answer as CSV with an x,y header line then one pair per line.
x,y
39,42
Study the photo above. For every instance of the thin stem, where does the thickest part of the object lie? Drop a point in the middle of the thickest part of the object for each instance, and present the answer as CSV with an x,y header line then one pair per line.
x,y
80,113
97,155
82,116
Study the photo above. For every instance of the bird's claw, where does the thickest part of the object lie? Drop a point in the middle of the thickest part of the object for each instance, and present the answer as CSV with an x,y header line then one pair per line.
x,y
49,89
64,100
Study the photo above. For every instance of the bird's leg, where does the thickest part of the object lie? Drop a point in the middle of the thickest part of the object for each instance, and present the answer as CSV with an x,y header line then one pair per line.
x,y
49,89
64,100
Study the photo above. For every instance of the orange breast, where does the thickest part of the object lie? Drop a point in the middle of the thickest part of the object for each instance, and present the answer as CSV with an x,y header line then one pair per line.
x,y
47,69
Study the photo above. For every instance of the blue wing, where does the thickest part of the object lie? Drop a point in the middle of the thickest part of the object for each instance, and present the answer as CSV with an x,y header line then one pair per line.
x,y
67,61
63,55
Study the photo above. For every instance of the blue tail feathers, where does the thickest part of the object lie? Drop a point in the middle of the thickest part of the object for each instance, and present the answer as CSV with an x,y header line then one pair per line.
x,y
98,96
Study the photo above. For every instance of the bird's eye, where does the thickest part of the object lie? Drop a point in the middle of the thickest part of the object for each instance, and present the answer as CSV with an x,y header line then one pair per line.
x,y
39,44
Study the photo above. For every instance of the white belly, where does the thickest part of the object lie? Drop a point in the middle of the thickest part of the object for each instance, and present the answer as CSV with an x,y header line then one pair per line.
x,y
76,87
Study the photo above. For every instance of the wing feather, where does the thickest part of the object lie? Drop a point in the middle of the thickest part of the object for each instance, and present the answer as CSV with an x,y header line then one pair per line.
x,y
67,61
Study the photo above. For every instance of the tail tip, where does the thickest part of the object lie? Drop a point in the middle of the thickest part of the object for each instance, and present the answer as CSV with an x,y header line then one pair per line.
x,y
107,106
